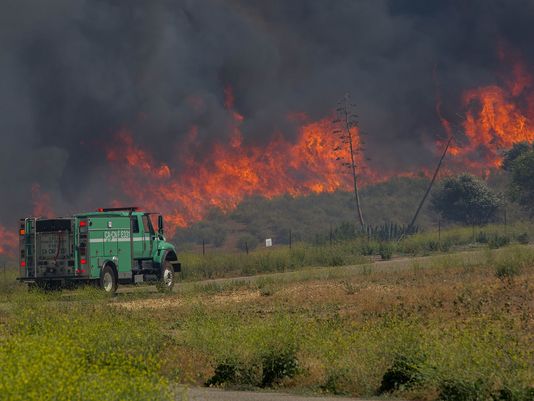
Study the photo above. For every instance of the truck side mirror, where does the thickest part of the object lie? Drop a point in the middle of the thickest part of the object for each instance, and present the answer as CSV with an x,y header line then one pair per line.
x,y
160,224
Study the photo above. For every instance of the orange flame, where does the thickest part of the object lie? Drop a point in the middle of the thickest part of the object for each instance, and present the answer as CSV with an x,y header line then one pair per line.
x,y
233,171
495,119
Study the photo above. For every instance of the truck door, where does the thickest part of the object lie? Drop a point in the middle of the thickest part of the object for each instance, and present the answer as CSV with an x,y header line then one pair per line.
x,y
138,240
142,237
148,235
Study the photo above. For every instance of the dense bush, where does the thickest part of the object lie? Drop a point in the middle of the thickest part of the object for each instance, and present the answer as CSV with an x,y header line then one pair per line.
x,y
506,270
278,364
385,250
265,369
458,390
498,241
404,373
465,199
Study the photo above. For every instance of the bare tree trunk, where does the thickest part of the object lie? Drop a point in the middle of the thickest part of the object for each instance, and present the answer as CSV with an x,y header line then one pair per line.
x,y
353,166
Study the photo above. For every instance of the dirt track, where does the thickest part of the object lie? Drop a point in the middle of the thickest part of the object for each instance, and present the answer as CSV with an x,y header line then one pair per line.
x,y
210,394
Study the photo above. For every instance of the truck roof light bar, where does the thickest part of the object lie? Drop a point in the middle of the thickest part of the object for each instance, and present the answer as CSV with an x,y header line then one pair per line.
x,y
118,209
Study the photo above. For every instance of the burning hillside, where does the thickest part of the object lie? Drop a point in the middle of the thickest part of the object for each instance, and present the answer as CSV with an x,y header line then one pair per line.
x,y
495,118
235,170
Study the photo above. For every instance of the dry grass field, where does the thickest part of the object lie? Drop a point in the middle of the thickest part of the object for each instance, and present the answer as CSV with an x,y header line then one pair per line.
x,y
451,327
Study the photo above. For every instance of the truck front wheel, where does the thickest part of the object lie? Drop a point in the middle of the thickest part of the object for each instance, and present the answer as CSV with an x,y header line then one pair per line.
x,y
166,281
108,280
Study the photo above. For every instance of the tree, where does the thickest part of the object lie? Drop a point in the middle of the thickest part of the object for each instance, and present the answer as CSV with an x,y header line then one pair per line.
x,y
511,155
466,199
348,123
522,183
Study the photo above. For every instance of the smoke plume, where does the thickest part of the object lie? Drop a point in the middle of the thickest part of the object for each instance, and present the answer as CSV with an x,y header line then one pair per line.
x,y
75,73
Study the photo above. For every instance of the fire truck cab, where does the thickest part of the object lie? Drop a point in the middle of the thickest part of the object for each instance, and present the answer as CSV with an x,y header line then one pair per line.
x,y
107,247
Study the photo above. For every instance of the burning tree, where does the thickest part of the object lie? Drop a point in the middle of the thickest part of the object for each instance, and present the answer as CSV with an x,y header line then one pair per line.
x,y
347,129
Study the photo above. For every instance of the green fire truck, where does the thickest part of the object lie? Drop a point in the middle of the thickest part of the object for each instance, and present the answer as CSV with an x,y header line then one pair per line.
x,y
106,247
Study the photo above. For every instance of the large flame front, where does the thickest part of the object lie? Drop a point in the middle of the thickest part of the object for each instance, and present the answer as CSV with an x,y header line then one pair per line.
x,y
496,117
310,164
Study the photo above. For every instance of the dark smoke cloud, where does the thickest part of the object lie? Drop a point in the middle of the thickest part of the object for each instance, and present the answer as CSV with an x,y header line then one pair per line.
x,y
73,72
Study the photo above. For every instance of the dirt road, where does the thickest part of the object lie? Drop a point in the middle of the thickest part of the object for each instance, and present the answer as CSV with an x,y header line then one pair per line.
x,y
211,394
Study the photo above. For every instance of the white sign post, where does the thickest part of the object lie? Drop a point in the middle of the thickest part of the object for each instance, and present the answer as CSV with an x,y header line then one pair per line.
x,y
268,242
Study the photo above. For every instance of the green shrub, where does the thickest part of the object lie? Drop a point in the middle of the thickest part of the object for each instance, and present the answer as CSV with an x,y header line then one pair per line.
x,y
368,248
512,394
482,237
385,251
432,246
266,286
348,287
337,260
278,364
225,372
458,390
506,271
231,372
404,373
335,381
523,238
498,241
445,246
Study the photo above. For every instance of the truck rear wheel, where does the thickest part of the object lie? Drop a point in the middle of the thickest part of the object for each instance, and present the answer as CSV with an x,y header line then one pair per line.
x,y
108,280
166,281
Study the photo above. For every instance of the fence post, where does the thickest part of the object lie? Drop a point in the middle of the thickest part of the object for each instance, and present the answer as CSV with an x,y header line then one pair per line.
x,y
330,234
505,224
246,247
439,231
203,247
290,239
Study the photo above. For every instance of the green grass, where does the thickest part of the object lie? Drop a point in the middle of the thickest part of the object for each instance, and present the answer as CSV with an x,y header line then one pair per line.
x,y
458,324
218,264
225,264
53,347
449,325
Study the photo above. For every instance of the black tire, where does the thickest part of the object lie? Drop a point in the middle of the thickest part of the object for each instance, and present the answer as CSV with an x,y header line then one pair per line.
x,y
166,281
108,280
